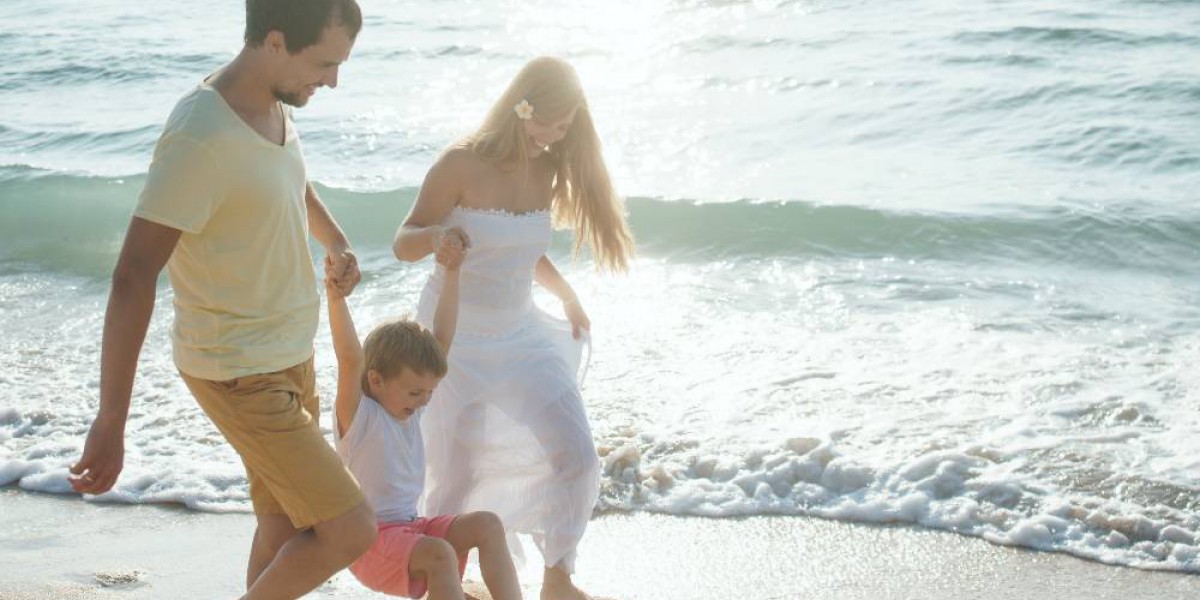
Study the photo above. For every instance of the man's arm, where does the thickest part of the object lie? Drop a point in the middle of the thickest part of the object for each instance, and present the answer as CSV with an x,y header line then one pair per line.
x,y
147,247
341,264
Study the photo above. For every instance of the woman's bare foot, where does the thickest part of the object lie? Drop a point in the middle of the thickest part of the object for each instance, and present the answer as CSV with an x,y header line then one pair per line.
x,y
557,585
475,590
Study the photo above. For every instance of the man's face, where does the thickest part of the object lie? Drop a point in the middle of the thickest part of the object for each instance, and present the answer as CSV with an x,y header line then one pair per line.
x,y
297,76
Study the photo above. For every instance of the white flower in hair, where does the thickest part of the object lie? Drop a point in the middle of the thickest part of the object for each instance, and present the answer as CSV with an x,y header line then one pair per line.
x,y
524,110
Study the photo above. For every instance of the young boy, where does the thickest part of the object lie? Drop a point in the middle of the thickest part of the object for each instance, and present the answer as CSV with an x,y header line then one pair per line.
x,y
383,387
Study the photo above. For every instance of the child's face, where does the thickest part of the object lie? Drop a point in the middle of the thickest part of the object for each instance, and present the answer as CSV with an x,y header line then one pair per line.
x,y
541,134
403,393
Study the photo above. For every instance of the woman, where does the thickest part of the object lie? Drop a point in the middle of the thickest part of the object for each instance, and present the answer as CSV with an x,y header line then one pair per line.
x,y
506,430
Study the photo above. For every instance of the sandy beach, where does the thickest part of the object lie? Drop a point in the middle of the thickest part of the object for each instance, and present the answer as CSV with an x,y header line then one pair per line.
x,y
61,547
930,263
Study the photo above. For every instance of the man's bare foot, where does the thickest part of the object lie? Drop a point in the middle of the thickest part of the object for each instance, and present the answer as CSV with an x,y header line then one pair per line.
x,y
557,585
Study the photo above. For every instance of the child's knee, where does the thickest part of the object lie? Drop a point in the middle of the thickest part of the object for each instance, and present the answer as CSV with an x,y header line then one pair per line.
x,y
488,525
433,555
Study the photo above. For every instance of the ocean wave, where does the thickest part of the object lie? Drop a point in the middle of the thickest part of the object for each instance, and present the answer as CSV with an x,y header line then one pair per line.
x,y
1074,37
126,141
971,490
1006,59
93,211
449,51
75,73
722,42
1095,144
965,490
34,72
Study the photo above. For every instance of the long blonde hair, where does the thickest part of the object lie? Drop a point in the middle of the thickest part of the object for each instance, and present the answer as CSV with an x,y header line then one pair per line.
x,y
583,198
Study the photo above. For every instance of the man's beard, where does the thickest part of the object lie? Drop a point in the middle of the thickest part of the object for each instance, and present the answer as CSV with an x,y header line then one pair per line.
x,y
290,99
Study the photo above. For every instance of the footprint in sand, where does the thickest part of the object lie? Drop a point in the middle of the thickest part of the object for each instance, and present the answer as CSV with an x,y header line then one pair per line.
x,y
119,578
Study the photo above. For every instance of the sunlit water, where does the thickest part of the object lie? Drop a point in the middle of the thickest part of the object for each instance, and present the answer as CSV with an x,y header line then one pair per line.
x,y
930,262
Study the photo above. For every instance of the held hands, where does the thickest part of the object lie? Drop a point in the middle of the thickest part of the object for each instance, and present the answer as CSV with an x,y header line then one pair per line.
x,y
450,247
332,292
341,268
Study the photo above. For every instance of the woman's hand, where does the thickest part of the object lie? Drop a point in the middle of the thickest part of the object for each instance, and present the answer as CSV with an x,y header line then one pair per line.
x,y
450,245
577,316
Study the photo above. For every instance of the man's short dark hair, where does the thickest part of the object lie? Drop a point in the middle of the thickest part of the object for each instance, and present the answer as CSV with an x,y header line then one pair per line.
x,y
300,21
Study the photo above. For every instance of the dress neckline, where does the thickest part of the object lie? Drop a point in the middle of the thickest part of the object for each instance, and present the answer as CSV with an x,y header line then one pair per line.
x,y
501,212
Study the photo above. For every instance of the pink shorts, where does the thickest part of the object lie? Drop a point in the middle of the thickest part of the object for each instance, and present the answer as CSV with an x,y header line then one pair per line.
x,y
384,568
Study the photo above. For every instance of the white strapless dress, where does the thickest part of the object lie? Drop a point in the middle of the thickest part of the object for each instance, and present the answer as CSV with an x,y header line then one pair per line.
x,y
506,430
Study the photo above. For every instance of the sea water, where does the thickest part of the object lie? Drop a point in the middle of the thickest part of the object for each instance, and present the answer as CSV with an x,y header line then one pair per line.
x,y
930,263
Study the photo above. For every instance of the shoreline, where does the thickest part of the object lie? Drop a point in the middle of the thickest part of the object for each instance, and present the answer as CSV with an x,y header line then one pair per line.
x,y
61,547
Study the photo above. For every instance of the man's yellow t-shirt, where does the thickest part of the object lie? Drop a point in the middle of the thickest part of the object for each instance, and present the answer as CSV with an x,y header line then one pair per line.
x,y
245,291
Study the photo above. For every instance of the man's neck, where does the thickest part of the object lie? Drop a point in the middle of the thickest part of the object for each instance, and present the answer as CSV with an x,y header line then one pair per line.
x,y
243,84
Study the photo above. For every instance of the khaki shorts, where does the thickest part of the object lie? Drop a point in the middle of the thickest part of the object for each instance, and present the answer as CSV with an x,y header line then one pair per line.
x,y
271,420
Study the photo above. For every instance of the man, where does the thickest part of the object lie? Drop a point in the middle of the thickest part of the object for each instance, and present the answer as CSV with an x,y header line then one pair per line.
x,y
227,208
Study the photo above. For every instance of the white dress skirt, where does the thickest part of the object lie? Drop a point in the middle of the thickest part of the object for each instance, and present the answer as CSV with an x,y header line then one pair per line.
x,y
506,429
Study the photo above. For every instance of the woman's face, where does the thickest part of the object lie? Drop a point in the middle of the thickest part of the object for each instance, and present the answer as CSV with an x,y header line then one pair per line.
x,y
541,134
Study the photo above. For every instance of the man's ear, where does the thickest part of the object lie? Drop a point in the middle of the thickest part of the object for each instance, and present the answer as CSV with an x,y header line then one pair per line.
x,y
275,42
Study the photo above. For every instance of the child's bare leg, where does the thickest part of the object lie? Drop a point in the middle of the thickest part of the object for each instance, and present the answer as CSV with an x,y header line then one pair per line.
x,y
312,556
272,533
557,585
484,530
436,561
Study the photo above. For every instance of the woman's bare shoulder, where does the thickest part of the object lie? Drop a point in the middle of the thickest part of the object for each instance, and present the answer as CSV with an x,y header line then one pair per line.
x,y
460,157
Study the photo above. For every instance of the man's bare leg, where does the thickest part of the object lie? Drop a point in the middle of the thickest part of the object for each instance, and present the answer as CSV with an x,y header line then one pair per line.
x,y
272,533
314,555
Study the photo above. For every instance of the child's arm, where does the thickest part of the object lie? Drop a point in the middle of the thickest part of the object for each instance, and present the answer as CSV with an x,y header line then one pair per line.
x,y
445,316
349,353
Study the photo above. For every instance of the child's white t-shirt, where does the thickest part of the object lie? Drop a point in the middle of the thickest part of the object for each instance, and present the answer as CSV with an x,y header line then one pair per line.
x,y
387,456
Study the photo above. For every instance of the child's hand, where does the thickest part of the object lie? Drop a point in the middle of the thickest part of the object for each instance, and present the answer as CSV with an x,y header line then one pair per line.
x,y
451,248
336,287
342,267
332,291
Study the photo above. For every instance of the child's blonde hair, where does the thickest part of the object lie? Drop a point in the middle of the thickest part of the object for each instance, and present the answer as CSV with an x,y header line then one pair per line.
x,y
584,199
402,344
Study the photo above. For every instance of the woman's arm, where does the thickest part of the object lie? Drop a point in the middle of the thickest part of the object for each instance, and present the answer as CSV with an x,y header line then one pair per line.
x,y
547,275
421,232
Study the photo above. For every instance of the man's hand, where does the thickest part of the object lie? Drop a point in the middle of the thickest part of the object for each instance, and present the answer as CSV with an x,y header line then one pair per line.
x,y
103,458
341,268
